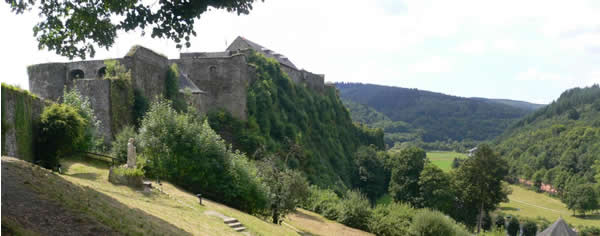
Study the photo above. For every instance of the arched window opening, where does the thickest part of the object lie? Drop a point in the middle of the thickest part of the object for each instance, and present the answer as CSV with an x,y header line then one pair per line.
x,y
76,74
212,69
102,72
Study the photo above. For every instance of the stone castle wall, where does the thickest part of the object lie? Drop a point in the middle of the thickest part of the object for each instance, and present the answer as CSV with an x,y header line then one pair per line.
x,y
224,79
148,71
98,91
223,76
20,112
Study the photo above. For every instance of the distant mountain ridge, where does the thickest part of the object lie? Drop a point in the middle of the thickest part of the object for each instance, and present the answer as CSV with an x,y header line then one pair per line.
x,y
413,115
513,103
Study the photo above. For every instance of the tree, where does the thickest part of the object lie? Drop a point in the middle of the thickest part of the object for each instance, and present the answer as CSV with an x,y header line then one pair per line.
x,y
479,180
285,187
581,198
405,168
435,189
538,178
74,28
529,228
372,176
513,227
61,128
456,162
92,139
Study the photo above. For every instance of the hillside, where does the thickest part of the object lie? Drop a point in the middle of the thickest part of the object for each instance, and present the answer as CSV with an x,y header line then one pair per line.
x,y
558,141
428,116
82,198
310,128
513,103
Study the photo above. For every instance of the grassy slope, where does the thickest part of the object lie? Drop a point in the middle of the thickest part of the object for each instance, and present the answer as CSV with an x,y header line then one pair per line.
x,y
443,159
180,208
84,188
530,204
319,225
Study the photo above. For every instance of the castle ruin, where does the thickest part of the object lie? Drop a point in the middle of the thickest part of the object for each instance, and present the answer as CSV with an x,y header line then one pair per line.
x,y
216,80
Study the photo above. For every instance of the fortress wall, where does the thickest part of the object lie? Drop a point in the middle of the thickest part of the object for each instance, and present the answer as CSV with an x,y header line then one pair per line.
x,y
98,91
310,80
47,80
148,71
314,81
20,116
224,79
295,75
90,68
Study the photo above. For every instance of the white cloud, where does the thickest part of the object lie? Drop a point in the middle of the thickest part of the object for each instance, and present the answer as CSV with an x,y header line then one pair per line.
x,y
434,64
472,47
533,74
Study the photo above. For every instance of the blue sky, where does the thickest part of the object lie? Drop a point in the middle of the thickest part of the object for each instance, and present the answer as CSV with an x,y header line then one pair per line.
x,y
524,50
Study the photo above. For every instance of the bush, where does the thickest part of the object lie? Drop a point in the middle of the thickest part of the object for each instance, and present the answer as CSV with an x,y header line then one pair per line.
x,y
432,223
513,226
126,176
61,129
529,228
187,152
355,210
487,222
589,231
391,219
324,202
500,222
119,145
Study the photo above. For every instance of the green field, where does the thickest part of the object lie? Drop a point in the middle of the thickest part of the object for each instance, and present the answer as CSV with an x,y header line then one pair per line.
x,y
527,203
443,159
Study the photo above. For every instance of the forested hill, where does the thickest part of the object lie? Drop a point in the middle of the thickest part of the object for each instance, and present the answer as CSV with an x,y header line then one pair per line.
x,y
558,143
416,115
513,103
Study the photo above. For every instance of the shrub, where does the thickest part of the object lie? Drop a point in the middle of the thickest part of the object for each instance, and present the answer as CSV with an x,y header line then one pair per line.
x,y
529,228
500,222
324,202
187,152
391,219
513,226
589,231
487,222
119,145
126,176
431,223
355,210
61,128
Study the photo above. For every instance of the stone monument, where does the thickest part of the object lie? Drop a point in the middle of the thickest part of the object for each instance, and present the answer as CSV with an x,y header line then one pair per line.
x,y
131,155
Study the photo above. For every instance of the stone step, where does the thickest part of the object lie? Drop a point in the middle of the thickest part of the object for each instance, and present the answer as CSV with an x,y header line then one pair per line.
x,y
230,220
235,225
240,229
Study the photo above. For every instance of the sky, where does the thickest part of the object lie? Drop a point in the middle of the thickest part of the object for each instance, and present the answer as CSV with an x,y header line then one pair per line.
x,y
523,50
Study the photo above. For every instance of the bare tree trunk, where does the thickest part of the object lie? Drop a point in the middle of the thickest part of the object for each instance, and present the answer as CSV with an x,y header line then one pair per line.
x,y
480,220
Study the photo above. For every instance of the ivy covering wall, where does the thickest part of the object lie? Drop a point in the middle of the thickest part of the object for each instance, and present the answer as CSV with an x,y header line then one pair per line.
x,y
20,113
121,96
309,130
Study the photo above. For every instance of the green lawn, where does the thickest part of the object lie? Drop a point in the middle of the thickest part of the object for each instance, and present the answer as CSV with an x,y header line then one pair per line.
x,y
443,159
527,203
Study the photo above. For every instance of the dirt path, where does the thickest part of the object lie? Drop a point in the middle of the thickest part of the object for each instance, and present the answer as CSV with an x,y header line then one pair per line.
x,y
33,212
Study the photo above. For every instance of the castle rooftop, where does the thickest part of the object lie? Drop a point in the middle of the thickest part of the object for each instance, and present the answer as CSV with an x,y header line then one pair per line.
x,y
241,43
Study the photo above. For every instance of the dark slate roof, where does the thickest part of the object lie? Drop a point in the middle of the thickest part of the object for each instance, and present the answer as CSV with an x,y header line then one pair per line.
x,y
559,228
243,43
186,83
